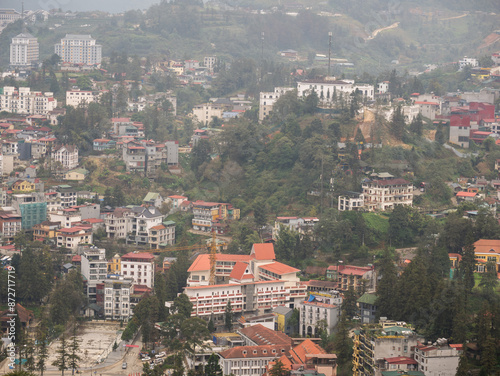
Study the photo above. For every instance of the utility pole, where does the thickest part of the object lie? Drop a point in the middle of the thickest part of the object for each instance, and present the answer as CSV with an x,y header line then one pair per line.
x,y
329,51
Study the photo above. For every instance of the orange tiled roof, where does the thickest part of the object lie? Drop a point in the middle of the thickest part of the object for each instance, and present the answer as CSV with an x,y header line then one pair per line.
x,y
261,335
202,262
279,268
263,251
238,270
486,245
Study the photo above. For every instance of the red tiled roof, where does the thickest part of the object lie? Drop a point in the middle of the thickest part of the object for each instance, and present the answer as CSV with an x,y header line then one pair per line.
x,y
159,227
202,262
268,351
131,256
94,220
238,271
76,258
263,251
298,353
486,245
401,360
424,102
279,268
177,197
466,194
261,335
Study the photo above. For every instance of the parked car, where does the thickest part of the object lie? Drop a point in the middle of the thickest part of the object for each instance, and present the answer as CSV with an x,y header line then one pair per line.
x,y
161,355
124,365
146,359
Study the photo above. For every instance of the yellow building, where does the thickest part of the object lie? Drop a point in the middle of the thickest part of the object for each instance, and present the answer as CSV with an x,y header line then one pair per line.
x,y
23,186
114,265
283,315
487,250
78,174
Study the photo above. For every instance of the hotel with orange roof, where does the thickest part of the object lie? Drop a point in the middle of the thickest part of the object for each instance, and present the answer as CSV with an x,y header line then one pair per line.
x,y
252,283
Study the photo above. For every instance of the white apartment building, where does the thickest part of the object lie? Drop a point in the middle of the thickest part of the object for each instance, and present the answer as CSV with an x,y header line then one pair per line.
x,y
203,113
24,51
249,360
140,267
268,99
26,102
252,283
467,61
385,194
210,62
67,218
72,237
76,98
438,360
79,49
118,223
117,298
94,269
328,89
351,201
383,87
312,312
302,225
142,223
67,155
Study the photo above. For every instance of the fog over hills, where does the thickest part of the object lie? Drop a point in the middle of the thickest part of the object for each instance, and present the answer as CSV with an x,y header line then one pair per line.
x,y
113,6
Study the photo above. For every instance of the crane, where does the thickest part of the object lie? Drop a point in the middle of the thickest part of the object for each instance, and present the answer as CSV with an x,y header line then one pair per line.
x,y
213,256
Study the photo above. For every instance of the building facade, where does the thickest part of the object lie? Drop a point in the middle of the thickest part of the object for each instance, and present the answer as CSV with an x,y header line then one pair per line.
x,y
268,99
139,266
117,298
24,51
94,267
26,102
386,194
79,49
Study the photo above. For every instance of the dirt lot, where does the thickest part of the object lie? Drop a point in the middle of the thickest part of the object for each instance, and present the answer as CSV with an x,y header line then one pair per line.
x,y
96,339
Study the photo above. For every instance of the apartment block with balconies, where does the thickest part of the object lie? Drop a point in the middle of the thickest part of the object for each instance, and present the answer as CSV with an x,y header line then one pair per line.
x,y
386,194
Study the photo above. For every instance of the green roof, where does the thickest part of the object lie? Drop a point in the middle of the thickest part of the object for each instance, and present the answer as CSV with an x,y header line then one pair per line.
x,y
80,171
396,330
168,223
368,298
151,196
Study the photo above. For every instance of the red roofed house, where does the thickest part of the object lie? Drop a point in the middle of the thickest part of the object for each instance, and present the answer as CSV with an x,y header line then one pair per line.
x,y
386,194
176,200
466,196
487,250
252,283
210,216
250,359
25,317
350,275
439,359
73,236
140,267
309,357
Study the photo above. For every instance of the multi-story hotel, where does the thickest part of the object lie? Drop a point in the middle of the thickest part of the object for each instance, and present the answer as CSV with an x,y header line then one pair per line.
x,y
26,102
139,266
79,49
252,283
23,51
385,194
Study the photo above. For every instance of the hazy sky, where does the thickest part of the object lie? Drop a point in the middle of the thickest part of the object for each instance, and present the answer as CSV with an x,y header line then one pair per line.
x,y
79,5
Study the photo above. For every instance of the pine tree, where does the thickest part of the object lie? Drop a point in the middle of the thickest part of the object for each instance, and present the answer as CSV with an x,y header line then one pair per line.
x,y
468,264
460,318
463,366
342,342
228,316
73,357
61,361
417,125
211,325
489,356
43,351
398,123
387,288
349,302
278,369
213,368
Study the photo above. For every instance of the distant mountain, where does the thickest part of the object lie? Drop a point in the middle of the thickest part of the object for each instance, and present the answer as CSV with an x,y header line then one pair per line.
x,y
112,6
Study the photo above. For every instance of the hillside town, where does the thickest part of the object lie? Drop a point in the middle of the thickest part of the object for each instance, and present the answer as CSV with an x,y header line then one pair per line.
x,y
165,216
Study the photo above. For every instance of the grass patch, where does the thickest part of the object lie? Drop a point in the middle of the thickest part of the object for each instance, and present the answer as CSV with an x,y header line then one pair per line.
x,y
377,222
